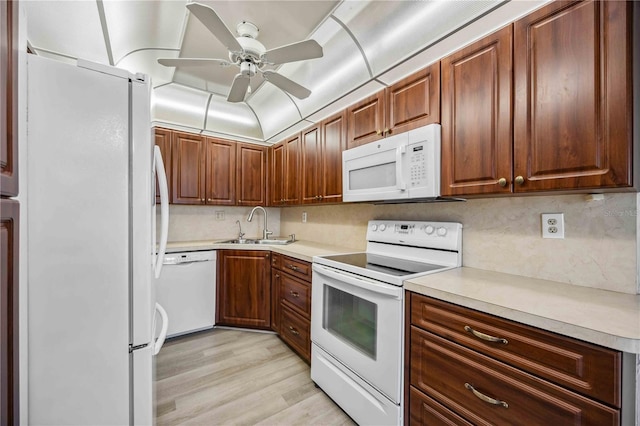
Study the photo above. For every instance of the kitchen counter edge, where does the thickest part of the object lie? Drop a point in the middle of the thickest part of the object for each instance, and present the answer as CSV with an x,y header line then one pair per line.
x,y
602,317
302,250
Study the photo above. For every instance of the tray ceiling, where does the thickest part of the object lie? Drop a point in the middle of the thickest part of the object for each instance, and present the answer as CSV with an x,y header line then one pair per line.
x,y
367,44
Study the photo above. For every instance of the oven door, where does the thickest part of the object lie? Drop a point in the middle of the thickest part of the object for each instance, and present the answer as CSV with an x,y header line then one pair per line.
x,y
359,322
375,171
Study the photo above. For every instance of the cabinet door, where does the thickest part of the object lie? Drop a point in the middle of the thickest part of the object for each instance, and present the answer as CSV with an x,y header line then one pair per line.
x,y
163,140
220,180
9,98
276,280
334,141
252,175
277,174
413,101
9,357
188,168
573,96
476,117
311,172
244,290
366,120
292,170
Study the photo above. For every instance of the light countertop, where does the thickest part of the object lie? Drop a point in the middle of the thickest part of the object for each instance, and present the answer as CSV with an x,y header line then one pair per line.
x,y
303,250
602,317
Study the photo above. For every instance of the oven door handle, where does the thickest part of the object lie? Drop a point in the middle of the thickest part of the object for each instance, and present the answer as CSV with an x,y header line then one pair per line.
x,y
360,282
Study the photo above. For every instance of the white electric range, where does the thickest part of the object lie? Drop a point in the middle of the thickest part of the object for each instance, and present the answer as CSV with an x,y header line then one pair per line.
x,y
357,316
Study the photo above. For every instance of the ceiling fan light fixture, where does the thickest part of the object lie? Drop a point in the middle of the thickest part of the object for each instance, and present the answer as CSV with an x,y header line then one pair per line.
x,y
247,69
247,29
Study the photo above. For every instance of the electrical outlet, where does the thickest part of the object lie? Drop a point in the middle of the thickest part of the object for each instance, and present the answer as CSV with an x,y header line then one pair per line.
x,y
552,225
304,217
220,215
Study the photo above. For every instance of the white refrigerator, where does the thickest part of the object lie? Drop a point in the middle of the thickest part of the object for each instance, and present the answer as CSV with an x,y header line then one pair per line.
x,y
91,241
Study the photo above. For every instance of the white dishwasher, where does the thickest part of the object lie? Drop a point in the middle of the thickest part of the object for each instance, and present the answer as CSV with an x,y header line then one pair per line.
x,y
187,291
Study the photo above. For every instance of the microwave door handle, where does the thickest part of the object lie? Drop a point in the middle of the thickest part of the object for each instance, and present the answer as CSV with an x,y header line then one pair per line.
x,y
400,151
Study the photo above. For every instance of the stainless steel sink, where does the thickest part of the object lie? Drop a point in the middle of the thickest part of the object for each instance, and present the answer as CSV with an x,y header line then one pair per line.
x,y
272,241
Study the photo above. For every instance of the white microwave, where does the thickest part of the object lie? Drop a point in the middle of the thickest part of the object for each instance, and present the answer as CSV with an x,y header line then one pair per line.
x,y
403,166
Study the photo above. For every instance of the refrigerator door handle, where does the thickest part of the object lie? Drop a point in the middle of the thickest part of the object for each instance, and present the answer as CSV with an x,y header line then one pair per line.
x,y
164,209
163,333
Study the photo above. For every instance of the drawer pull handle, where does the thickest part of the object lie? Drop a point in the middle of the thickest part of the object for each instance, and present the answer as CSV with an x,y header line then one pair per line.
x,y
293,267
293,330
294,293
486,337
484,397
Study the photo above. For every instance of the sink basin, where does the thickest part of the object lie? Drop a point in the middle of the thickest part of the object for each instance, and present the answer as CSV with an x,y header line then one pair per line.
x,y
273,241
239,241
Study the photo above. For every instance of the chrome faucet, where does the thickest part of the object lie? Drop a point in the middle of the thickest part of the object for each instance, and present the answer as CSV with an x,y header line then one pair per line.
x,y
265,232
240,233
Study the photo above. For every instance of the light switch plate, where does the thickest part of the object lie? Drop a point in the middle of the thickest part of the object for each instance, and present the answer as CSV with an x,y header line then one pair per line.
x,y
553,225
220,215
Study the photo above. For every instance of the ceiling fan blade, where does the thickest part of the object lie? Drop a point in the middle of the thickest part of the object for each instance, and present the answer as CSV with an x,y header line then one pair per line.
x,y
285,84
238,88
192,62
212,21
308,49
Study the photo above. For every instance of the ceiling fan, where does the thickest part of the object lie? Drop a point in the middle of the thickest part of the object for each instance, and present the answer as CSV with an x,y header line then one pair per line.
x,y
248,54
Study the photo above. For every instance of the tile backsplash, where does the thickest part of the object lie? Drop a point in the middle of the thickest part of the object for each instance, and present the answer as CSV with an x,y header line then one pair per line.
x,y
504,234
197,223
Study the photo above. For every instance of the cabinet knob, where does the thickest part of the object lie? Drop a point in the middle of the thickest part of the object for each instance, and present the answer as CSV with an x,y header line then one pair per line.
x,y
294,293
386,132
202,200
519,180
502,182
210,200
293,330
378,132
277,275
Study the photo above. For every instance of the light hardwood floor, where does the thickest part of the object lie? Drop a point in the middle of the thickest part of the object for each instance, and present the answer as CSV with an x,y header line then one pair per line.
x,y
236,377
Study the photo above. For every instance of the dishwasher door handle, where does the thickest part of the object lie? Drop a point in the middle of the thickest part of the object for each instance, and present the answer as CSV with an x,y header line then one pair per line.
x,y
190,262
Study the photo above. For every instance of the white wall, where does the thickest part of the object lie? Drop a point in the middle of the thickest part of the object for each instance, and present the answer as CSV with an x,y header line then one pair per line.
x,y
504,234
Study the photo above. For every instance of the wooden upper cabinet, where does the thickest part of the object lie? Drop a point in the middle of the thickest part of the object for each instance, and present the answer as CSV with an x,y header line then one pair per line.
x,y
334,141
276,174
311,155
9,98
163,141
573,96
410,103
366,120
188,173
476,117
252,175
220,182
413,101
292,170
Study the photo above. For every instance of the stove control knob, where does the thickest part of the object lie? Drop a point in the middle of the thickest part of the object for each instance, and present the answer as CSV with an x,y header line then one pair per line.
x,y
374,227
383,227
442,232
429,229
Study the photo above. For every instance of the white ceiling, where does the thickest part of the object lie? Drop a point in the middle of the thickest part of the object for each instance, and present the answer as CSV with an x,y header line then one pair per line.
x,y
367,45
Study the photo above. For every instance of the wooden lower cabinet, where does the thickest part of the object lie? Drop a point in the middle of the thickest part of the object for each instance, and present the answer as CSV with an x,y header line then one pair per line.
x,y
292,277
496,371
9,315
244,288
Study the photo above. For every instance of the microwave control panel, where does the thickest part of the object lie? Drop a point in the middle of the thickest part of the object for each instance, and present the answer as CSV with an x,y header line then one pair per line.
x,y
417,165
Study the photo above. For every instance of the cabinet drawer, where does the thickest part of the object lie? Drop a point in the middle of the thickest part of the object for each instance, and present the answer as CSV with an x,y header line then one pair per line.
x,y
589,369
299,268
460,378
425,411
296,293
295,330
276,260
